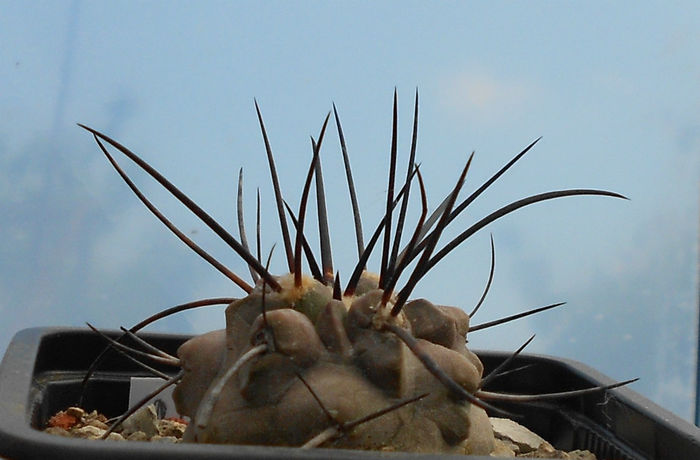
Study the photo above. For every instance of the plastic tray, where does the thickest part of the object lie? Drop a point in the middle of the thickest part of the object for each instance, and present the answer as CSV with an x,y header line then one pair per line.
x,y
42,370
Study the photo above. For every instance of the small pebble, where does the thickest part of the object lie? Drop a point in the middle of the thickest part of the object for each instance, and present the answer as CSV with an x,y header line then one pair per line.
x,y
76,412
63,420
87,432
503,449
57,430
167,439
144,419
522,439
171,428
581,455
97,424
137,436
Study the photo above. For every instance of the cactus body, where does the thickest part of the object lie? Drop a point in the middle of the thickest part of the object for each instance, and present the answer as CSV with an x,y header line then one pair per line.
x,y
351,367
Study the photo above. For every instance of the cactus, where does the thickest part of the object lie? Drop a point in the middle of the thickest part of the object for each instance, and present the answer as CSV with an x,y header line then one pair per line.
x,y
327,362
302,362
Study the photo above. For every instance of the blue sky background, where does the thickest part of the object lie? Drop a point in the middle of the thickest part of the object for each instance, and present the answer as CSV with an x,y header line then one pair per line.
x,y
613,88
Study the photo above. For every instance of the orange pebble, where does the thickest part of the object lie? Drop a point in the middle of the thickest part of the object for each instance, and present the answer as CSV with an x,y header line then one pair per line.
x,y
63,420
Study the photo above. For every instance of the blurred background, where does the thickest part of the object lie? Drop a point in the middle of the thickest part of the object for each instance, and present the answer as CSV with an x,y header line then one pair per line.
x,y
613,88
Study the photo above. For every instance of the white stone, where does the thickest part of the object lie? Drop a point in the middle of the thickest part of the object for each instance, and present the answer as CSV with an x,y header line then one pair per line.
x,y
524,439
144,419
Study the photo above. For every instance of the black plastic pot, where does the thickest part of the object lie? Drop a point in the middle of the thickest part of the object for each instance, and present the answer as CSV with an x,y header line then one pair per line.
x,y
42,370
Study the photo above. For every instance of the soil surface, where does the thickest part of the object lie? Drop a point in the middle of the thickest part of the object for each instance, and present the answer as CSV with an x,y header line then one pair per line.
x,y
512,439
